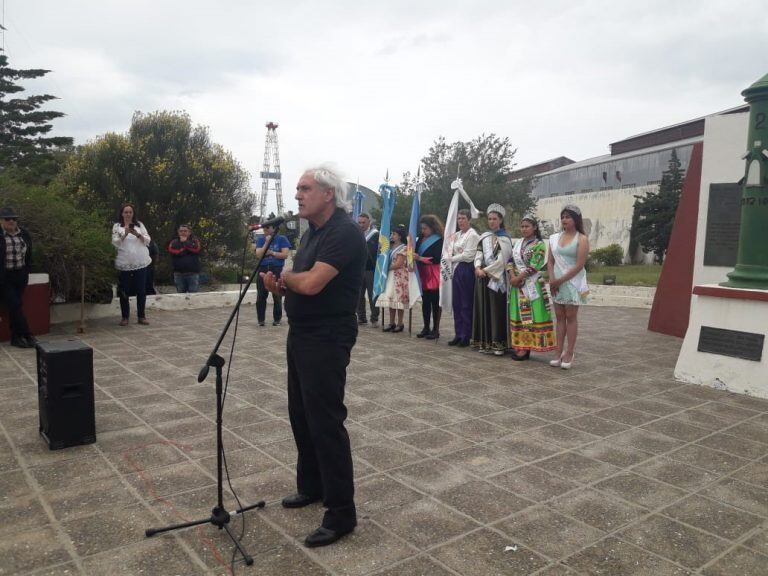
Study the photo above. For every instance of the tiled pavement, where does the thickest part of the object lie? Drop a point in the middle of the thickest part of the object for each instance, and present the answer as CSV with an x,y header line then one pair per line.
x,y
465,464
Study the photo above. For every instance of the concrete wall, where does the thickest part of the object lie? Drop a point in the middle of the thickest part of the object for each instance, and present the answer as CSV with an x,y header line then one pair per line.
x,y
725,141
607,215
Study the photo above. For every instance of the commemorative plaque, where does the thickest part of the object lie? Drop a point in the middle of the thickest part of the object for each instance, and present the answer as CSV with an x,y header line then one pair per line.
x,y
734,343
721,240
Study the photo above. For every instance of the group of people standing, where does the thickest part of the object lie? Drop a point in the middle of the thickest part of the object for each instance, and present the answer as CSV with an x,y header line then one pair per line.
x,y
133,261
502,302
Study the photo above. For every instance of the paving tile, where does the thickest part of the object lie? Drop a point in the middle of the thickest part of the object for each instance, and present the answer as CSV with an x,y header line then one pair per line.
x,y
31,550
596,425
740,494
714,517
646,441
379,493
545,531
523,447
738,561
574,466
676,429
712,460
388,456
676,473
532,483
615,454
597,509
108,529
652,406
476,430
754,430
562,436
759,541
640,490
426,523
12,485
482,553
417,566
613,557
482,460
397,425
437,415
625,415
432,475
482,501
64,473
735,445
148,557
241,462
687,546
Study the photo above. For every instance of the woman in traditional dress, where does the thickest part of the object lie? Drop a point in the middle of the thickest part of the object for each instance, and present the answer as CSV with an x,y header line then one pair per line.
x,y
395,296
489,314
463,279
530,319
568,281
429,249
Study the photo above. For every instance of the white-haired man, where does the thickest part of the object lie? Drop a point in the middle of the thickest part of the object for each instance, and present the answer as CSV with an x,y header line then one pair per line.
x,y
321,294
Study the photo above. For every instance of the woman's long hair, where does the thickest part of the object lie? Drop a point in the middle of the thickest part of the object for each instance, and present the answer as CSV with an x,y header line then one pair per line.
x,y
135,219
577,220
434,223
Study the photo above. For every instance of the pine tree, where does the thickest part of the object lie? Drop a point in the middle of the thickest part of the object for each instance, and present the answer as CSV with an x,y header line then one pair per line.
x,y
655,213
24,127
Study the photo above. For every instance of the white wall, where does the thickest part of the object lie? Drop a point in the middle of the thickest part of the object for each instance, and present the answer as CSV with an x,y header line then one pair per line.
x,y
725,141
607,215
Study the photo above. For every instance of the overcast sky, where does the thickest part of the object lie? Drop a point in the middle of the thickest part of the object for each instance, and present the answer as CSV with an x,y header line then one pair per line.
x,y
370,86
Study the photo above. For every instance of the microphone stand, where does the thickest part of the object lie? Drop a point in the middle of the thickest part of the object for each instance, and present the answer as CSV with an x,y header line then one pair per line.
x,y
220,517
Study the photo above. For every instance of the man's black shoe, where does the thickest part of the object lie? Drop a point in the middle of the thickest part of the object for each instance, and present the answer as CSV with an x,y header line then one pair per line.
x,y
261,323
463,343
276,323
423,333
299,500
454,341
19,342
324,536
31,341
362,321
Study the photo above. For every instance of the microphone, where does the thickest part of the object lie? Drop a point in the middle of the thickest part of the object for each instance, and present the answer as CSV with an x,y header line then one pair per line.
x,y
274,223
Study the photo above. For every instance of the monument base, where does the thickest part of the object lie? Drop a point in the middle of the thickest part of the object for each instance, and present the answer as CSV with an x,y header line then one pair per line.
x,y
725,344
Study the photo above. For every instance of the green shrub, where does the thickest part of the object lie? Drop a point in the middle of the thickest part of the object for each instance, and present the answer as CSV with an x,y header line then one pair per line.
x,y
612,255
64,239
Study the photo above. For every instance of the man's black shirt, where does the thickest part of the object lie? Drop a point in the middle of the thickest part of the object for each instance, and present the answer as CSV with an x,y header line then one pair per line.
x,y
337,243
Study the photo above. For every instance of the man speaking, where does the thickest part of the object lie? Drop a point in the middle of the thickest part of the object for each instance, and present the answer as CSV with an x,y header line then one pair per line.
x,y
321,296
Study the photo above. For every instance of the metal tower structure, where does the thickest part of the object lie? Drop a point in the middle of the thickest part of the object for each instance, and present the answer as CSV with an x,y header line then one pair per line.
x,y
271,172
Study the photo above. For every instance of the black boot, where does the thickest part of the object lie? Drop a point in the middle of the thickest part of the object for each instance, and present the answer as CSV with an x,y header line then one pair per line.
x,y
454,342
434,335
424,332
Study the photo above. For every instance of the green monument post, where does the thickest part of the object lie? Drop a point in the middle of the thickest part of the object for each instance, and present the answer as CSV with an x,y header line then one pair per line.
x,y
751,269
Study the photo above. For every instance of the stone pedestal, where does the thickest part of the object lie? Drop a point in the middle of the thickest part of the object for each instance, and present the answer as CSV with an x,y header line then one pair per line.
x,y
725,345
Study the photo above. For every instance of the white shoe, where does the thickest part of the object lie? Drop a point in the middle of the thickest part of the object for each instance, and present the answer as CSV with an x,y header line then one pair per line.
x,y
557,362
567,365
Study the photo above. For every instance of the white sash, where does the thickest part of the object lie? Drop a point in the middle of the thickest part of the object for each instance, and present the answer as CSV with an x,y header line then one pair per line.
x,y
370,233
580,280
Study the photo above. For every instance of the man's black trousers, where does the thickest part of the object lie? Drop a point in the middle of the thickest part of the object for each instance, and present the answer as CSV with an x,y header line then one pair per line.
x,y
318,357
12,292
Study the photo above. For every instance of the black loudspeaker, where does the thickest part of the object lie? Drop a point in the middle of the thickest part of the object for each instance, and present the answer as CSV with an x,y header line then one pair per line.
x,y
65,393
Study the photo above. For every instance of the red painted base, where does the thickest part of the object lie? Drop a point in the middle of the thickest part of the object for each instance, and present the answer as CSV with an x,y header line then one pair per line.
x,y
36,308
672,302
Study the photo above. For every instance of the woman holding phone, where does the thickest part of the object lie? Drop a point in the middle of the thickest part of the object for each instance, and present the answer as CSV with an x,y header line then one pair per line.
x,y
131,239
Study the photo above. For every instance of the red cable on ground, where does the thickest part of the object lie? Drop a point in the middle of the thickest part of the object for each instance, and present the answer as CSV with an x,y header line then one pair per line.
x,y
150,487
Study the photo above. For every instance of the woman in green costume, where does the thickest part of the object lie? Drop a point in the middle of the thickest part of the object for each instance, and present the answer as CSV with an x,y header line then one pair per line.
x,y
530,319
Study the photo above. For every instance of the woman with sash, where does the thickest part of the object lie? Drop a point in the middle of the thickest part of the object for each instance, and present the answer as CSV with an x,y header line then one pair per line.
x,y
568,252
489,314
463,279
395,296
429,249
530,318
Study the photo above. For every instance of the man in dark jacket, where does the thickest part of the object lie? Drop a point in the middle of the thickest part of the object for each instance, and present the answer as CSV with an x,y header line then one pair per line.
x,y
372,245
185,256
16,252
